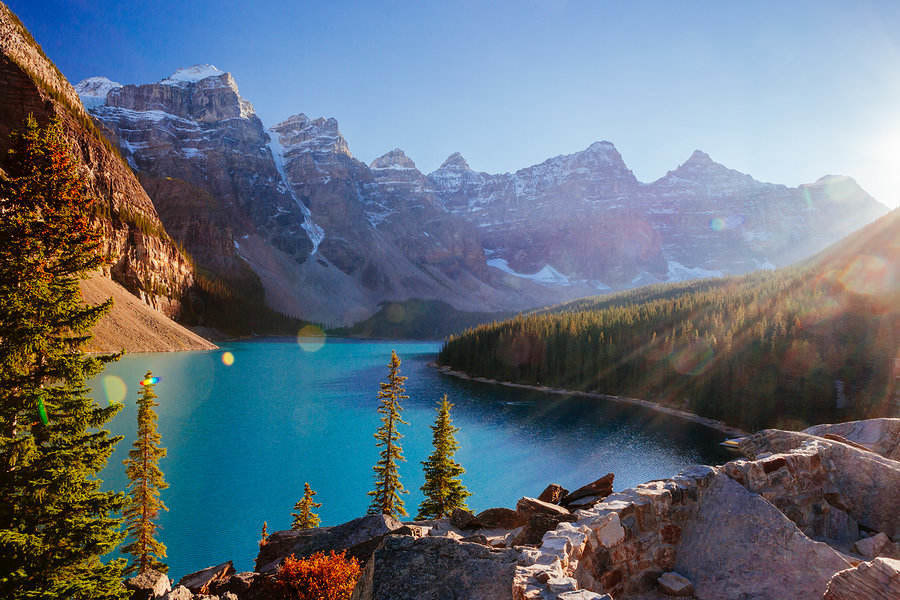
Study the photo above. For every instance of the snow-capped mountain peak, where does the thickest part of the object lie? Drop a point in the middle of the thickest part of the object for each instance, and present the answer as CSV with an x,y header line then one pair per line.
x,y
192,74
395,159
93,90
300,133
456,162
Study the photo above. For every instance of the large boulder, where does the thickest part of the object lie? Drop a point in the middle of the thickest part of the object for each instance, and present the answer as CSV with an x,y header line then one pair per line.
x,y
863,484
740,546
500,518
881,436
435,568
148,585
201,581
553,493
876,580
359,537
464,519
528,507
600,488
538,524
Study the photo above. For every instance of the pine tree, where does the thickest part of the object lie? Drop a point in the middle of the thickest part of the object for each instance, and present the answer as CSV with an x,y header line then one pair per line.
x,y
305,518
386,495
55,522
443,489
145,482
264,536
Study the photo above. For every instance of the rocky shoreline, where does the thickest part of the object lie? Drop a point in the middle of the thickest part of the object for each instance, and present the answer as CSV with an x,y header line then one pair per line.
x,y
804,515
675,412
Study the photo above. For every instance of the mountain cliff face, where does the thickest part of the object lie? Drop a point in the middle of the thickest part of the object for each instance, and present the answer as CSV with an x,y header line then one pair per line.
x,y
144,259
331,237
585,217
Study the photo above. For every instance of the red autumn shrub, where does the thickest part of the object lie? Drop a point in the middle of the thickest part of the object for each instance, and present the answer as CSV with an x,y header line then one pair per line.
x,y
318,577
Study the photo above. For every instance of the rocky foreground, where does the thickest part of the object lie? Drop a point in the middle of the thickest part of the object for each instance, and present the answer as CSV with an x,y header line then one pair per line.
x,y
811,515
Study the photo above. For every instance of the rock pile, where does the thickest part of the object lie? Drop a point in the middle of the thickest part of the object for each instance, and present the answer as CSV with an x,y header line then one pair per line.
x,y
796,518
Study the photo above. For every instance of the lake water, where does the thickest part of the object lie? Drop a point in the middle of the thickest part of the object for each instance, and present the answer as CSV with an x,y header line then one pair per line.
x,y
243,438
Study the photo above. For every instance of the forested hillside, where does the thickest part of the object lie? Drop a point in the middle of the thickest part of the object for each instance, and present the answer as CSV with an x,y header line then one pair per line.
x,y
810,343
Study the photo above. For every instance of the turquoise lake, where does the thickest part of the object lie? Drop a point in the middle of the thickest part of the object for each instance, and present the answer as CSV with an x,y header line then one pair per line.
x,y
242,439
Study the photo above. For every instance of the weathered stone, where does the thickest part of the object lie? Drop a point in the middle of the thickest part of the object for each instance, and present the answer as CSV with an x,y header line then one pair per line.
x,y
864,484
608,530
179,592
673,584
245,585
583,595
528,507
201,581
433,568
537,526
413,530
601,487
148,585
503,518
464,519
559,585
478,538
357,533
876,580
553,493
873,546
740,546
881,436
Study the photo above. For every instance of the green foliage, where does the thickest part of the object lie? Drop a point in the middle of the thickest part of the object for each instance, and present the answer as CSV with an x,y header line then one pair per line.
x,y
55,522
145,482
386,495
755,351
443,489
305,518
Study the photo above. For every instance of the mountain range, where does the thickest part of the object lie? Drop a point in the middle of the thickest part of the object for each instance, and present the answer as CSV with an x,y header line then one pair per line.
x,y
331,238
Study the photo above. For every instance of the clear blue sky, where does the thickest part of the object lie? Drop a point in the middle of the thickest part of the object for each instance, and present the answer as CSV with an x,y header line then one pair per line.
x,y
785,91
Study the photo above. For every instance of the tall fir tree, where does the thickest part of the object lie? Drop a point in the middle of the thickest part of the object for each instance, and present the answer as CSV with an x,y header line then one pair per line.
x,y
305,518
443,489
145,482
55,521
386,495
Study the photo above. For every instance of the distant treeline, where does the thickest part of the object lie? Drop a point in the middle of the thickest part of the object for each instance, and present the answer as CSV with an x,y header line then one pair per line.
x,y
813,343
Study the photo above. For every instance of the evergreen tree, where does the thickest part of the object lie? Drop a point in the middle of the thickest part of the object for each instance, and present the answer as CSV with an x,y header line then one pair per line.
x,y
55,522
145,482
443,489
264,536
386,495
305,518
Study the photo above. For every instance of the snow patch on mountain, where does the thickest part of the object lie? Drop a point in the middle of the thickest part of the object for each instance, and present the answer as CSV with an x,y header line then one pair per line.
x,y
315,233
192,74
547,274
678,272
93,91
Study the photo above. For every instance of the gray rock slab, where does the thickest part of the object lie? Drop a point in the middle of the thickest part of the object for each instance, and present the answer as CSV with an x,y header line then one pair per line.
x,y
433,568
359,532
740,547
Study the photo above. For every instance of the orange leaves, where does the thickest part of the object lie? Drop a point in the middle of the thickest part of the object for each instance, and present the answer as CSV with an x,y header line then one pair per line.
x,y
319,577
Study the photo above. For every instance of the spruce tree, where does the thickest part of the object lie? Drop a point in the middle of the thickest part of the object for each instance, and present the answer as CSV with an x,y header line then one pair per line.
x,y
386,495
264,535
55,522
305,518
145,482
443,489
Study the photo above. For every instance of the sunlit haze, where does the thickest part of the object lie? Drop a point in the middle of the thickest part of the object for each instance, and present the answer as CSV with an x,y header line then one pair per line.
x,y
787,92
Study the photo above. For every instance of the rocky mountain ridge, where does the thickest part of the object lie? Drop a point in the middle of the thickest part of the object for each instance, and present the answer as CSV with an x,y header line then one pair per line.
x,y
331,237
143,257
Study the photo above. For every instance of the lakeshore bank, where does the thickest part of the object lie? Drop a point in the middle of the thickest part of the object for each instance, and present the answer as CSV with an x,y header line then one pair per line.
x,y
675,412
